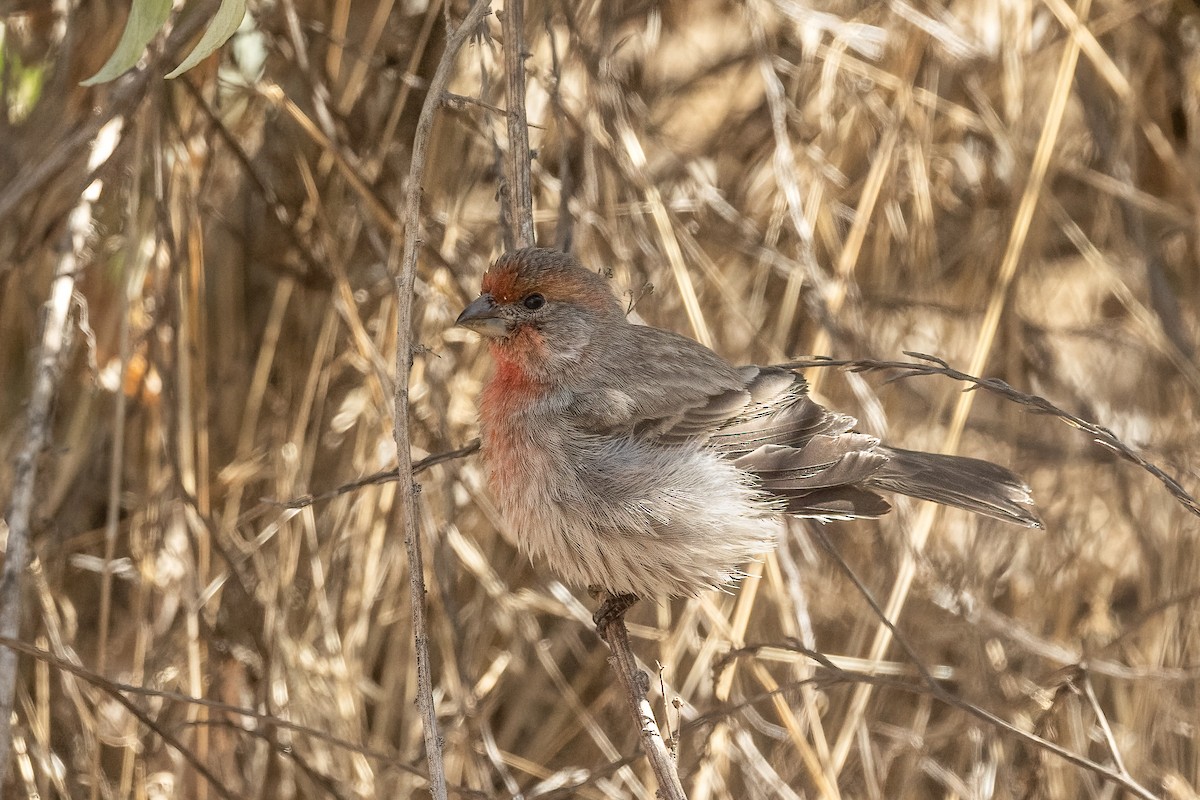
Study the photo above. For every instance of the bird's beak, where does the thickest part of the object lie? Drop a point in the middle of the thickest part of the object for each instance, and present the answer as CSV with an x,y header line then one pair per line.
x,y
483,317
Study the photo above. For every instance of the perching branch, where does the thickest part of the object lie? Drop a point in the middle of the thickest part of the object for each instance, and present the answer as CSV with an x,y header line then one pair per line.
x,y
408,489
634,682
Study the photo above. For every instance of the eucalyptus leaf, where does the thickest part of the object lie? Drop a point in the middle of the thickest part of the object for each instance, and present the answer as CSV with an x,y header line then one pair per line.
x,y
146,18
224,24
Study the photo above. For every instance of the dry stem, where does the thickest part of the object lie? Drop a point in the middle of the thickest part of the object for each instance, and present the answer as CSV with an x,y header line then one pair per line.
x,y
55,334
519,197
634,682
408,488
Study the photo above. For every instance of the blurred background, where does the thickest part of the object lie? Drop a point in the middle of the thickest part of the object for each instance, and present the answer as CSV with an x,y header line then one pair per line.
x,y
1010,186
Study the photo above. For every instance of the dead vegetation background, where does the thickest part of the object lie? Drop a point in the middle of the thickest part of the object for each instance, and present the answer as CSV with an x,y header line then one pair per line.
x,y
1012,187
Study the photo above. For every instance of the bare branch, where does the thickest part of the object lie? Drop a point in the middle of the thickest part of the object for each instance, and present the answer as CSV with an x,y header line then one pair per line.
x,y
384,476
519,197
47,373
408,489
635,682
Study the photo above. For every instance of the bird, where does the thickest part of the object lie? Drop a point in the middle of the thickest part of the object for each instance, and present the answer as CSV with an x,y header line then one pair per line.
x,y
640,463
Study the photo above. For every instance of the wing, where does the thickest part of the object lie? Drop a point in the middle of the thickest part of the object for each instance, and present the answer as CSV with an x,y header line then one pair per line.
x,y
760,418
674,376
801,452
684,392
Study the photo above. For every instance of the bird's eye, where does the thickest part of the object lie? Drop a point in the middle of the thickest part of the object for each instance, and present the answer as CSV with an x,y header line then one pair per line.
x,y
533,301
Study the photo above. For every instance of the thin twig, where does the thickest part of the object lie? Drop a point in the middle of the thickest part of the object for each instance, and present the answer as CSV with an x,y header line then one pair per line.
x,y
929,688
236,716
936,366
519,197
47,372
408,489
635,682
1109,739
383,476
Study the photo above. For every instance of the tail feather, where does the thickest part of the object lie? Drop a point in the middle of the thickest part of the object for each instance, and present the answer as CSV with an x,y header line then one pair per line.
x,y
967,483
836,502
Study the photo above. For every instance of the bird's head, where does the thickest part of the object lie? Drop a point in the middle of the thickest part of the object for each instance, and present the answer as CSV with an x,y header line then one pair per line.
x,y
540,308
540,289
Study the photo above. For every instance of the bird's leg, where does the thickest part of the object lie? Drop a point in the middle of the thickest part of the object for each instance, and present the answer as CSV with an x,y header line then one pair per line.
x,y
613,607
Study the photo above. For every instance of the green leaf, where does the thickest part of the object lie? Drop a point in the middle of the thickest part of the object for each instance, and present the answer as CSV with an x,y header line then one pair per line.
x,y
224,24
146,17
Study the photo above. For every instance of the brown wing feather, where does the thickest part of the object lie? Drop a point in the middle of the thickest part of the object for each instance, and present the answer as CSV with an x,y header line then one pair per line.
x,y
676,377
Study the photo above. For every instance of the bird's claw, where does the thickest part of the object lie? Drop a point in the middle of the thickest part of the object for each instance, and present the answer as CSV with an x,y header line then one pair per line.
x,y
612,609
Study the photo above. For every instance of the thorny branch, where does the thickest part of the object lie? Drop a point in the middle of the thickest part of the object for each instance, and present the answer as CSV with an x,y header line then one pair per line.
x,y
634,681
519,197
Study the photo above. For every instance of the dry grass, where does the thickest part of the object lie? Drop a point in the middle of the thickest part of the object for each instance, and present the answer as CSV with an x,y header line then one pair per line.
x,y
1009,186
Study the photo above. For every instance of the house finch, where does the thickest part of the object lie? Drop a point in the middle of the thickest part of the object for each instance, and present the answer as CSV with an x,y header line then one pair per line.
x,y
637,461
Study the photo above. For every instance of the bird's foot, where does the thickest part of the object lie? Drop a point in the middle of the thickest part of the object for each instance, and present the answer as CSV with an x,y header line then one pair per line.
x,y
612,609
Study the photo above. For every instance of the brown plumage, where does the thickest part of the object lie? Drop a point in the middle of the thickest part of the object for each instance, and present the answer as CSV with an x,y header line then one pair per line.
x,y
638,460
